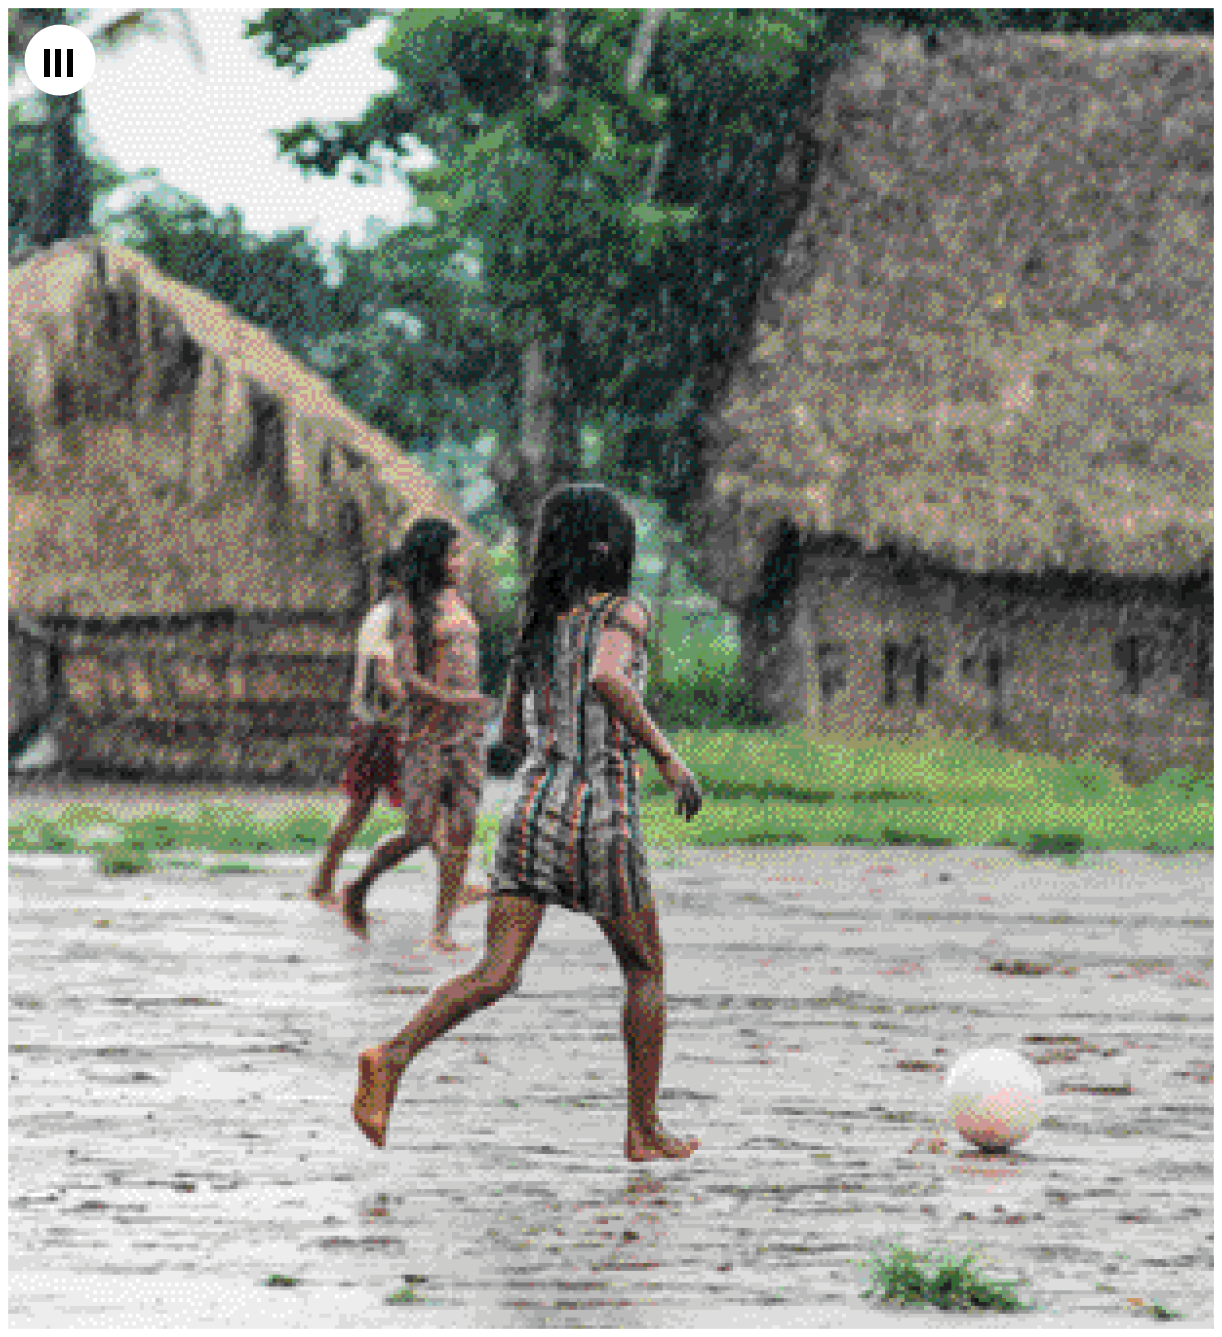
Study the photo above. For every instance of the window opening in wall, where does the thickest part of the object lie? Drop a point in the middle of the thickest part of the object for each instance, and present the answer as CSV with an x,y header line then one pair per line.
x,y
833,664
907,663
919,659
1133,656
1201,668
891,672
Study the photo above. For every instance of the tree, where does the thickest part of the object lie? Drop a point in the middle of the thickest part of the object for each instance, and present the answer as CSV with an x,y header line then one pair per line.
x,y
277,283
554,155
61,179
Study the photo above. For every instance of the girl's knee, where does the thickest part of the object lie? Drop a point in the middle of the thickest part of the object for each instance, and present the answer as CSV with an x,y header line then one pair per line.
x,y
494,982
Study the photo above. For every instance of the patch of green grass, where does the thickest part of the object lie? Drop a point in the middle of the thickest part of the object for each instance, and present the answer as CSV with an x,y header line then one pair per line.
x,y
382,822
157,831
1155,1310
1058,845
229,867
123,860
52,837
941,793
783,787
300,830
231,830
903,1277
279,1279
1035,830
405,1295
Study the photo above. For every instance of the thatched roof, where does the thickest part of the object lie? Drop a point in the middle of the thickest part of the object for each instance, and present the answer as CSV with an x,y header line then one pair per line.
x,y
989,339
159,509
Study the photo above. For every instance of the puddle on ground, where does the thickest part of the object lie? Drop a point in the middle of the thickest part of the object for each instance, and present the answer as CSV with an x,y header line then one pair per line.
x,y
183,1058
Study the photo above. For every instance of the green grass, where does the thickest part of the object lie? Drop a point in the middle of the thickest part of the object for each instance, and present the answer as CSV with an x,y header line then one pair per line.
x,y
124,860
902,1277
760,788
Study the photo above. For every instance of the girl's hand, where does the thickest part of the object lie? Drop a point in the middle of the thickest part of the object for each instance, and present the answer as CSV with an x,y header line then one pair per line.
x,y
683,784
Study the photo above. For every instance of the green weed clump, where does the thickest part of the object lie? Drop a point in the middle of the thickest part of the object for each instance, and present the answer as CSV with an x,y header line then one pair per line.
x,y
905,1278
125,859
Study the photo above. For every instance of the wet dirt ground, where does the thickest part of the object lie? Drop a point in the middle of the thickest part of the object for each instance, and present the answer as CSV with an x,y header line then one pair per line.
x,y
182,1061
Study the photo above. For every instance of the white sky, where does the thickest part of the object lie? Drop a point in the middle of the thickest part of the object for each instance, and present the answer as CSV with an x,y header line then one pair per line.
x,y
209,130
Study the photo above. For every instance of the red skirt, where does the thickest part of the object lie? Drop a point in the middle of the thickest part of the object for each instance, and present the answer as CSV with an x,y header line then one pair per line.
x,y
374,762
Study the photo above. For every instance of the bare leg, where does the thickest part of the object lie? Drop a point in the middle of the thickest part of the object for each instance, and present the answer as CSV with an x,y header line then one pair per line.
x,y
513,924
453,856
387,854
638,948
322,889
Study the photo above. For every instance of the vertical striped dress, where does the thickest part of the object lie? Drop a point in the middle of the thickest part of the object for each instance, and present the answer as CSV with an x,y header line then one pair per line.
x,y
572,833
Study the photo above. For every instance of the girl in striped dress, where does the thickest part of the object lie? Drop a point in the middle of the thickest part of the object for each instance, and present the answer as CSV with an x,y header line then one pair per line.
x,y
572,835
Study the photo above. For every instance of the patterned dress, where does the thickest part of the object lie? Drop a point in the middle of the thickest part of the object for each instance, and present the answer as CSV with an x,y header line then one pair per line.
x,y
373,762
443,755
572,835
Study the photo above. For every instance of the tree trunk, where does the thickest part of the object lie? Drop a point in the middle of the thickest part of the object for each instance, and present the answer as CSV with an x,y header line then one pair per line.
x,y
523,470
547,450
64,205
519,467
642,47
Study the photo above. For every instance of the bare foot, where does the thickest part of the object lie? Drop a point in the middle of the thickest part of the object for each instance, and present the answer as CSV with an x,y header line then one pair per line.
x,y
354,914
655,1145
323,896
442,942
375,1095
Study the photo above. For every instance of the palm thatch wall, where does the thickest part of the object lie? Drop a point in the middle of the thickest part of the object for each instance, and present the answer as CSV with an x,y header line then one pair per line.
x,y
168,456
989,339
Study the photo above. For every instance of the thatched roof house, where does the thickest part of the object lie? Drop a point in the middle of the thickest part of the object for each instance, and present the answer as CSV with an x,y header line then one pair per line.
x,y
168,456
193,522
979,390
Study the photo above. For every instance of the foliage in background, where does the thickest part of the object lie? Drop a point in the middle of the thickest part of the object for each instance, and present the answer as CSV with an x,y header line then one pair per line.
x,y
54,193
622,227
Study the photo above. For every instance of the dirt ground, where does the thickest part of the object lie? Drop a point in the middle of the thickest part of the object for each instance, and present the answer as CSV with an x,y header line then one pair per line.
x,y
183,1058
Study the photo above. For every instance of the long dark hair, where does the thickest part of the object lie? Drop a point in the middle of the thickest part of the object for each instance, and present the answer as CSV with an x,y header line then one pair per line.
x,y
584,541
422,564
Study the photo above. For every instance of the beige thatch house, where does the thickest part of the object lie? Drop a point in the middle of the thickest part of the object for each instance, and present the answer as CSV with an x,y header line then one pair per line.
x,y
961,479
193,517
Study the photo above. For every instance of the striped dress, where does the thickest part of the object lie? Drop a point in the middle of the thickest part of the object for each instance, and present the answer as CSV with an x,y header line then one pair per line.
x,y
572,834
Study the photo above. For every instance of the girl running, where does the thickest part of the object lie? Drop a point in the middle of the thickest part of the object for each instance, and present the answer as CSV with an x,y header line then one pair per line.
x,y
572,838
374,757
442,759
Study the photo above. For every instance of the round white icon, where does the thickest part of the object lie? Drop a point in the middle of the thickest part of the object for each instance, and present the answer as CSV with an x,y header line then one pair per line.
x,y
60,60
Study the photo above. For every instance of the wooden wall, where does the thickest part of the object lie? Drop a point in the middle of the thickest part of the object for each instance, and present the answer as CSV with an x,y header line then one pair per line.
x,y
1121,670
215,697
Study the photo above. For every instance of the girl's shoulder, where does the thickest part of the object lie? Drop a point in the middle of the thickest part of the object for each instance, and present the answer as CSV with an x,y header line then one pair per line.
x,y
452,611
632,613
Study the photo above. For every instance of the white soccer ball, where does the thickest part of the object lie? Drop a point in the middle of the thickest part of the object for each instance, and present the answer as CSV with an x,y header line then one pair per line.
x,y
994,1097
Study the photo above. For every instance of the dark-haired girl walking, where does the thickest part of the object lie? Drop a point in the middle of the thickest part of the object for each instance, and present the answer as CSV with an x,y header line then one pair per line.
x,y
443,751
572,836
